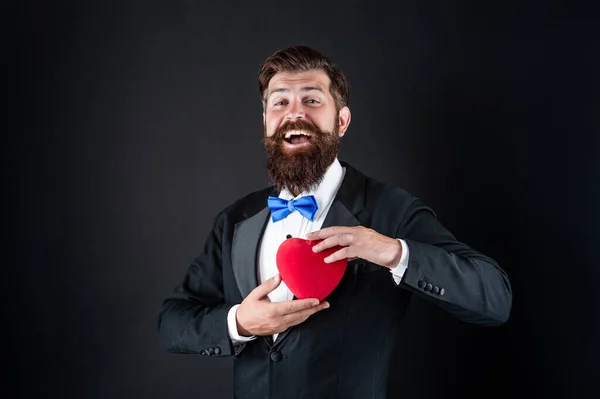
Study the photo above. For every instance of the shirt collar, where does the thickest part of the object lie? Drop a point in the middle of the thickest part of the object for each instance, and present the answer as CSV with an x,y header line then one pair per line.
x,y
326,190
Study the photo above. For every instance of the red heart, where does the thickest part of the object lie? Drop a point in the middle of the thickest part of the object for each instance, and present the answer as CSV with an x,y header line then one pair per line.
x,y
305,272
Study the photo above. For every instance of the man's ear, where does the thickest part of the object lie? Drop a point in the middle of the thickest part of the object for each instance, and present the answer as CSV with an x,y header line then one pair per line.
x,y
344,118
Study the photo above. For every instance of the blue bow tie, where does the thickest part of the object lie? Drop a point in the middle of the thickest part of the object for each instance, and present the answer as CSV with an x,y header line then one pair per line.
x,y
280,208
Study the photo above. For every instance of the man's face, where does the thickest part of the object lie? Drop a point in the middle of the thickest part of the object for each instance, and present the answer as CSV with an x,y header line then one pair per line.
x,y
302,95
302,129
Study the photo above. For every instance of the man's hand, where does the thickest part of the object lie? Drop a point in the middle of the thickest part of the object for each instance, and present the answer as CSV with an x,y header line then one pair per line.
x,y
257,315
358,242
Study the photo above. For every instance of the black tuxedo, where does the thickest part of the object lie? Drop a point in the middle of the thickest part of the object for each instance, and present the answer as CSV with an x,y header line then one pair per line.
x,y
343,351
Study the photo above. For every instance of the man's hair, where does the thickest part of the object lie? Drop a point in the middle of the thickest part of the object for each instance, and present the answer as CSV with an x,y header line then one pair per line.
x,y
302,59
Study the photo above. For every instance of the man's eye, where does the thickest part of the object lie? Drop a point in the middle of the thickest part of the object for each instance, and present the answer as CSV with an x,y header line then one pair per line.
x,y
312,101
278,103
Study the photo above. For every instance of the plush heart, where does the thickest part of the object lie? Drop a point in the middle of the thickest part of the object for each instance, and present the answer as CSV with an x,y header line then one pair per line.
x,y
305,272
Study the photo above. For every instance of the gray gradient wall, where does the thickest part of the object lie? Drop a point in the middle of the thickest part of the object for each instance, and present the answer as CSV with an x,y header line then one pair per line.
x,y
138,122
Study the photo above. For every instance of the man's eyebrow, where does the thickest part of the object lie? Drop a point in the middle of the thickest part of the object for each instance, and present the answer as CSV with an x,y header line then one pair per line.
x,y
285,90
278,90
309,88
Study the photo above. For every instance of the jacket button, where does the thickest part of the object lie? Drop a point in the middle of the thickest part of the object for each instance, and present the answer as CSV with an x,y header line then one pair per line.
x,y
276,356
217,351
428,287
435,290
211,351
422,284
442,291
203,352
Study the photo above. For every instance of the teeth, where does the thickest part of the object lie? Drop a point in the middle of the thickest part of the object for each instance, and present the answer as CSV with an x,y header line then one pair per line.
x,y
297,133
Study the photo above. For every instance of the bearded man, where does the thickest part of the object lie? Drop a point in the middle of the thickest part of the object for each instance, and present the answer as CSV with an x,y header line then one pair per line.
x,y
232,301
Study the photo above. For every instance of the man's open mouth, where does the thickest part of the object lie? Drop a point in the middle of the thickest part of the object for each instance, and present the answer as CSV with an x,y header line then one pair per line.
x,y
297,137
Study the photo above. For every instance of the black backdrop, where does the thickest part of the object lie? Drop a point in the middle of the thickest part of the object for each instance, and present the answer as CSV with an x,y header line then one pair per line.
x,y
137,122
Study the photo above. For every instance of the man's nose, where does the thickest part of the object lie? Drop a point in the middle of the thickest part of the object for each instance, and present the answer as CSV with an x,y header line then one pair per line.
x,y
295,111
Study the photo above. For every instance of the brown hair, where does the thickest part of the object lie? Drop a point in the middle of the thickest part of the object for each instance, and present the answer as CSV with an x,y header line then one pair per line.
x,y
301,59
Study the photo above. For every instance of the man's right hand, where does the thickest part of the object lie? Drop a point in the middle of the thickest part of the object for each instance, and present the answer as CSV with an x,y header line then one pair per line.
x,y
257,315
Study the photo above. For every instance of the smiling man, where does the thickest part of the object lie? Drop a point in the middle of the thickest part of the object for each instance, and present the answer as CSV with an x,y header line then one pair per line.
x,y
303,125
232,302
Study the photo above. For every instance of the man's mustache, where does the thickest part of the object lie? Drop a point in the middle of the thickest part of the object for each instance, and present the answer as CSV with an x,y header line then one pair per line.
x,y
296,126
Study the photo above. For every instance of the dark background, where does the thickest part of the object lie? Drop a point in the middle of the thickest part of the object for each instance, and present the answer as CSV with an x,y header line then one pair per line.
x,y
136,123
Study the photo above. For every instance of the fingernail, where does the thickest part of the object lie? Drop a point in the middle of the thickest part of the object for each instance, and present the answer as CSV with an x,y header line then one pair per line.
x,y
315,303
327,259
327,305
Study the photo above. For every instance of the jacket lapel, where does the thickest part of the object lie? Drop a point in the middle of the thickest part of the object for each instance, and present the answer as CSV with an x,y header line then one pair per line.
x,y
349,200
246,238
339,215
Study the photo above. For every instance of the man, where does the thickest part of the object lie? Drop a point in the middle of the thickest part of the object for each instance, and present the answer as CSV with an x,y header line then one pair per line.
x,y
232,301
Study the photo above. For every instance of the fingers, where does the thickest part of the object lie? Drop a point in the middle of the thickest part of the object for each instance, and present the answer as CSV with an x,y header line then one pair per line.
x,y
300,316
265,288
344,253
287,307
343,239
326,232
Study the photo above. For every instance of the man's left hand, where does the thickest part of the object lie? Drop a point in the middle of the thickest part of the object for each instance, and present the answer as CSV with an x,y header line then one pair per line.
x,y
358,242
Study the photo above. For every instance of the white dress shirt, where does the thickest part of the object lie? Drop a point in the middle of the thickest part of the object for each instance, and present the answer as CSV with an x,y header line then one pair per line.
x,y
298,226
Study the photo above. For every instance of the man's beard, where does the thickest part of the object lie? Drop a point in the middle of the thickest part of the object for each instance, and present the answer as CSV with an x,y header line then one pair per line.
x,y
301,169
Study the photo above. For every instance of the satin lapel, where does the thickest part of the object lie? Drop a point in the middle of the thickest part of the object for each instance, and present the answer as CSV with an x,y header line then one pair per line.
x,y
339,215
246,238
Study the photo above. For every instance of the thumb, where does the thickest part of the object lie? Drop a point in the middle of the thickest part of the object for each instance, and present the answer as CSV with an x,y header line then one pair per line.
x,y
265,288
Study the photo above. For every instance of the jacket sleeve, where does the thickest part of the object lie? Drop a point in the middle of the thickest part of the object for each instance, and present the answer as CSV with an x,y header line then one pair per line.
x,y
193,318
464,282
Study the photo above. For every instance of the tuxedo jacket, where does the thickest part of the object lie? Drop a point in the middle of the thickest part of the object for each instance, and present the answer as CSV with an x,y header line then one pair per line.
x,y
343,351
